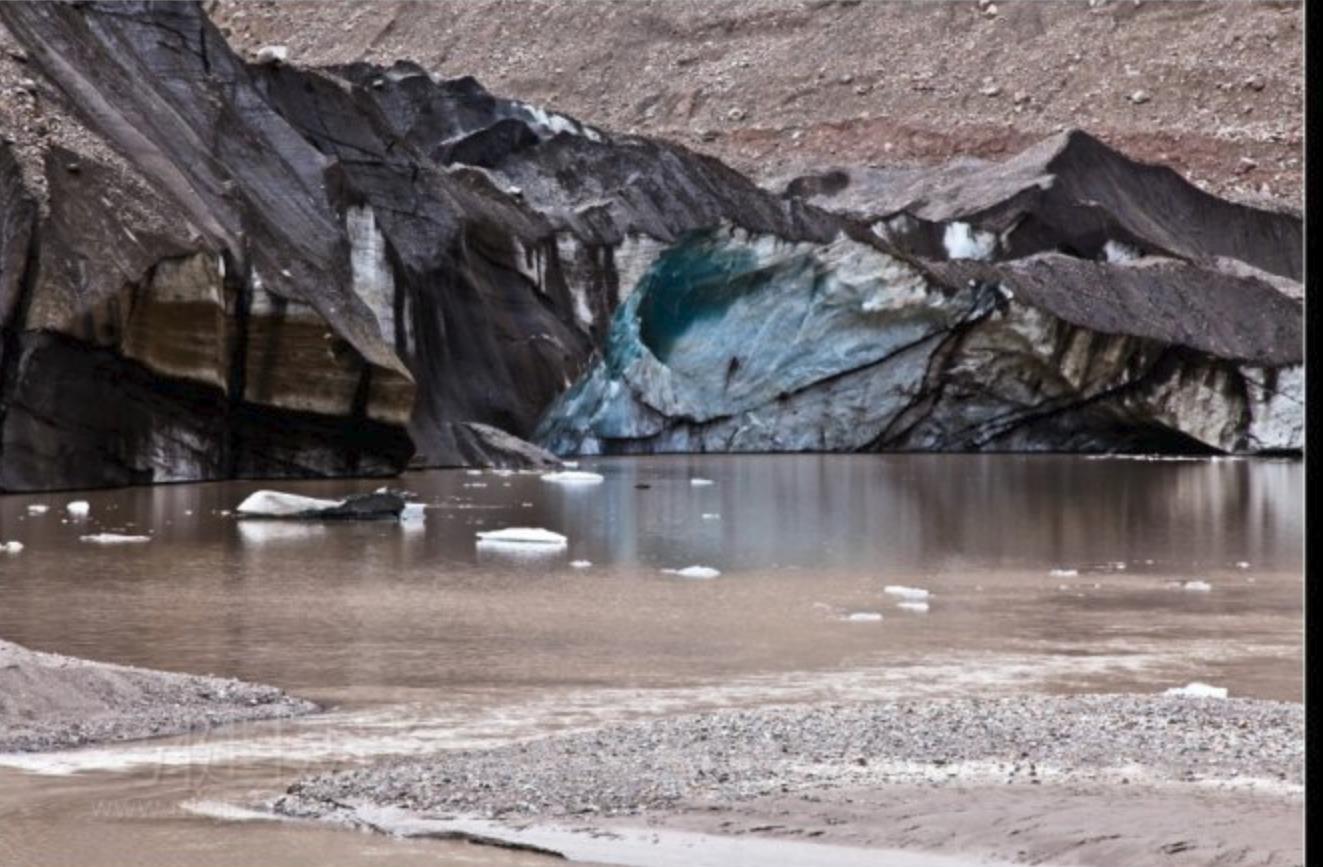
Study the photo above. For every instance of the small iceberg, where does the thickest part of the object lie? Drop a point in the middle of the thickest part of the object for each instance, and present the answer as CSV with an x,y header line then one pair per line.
x,y
863,617
113,539
378,505
906,592
1198,690
1064,573
38,509
523,536
10,547
580,564
78,508
916,607
1196,586
573,477
701,483
695,572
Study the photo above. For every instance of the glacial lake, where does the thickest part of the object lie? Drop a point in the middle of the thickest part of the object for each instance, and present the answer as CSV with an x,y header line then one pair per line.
x,y
1044,574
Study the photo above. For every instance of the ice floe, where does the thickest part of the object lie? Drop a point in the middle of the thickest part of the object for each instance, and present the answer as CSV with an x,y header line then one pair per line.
x,y
1198,690
523,536
863,617
11,547
1196,586
580,564
916,607
573,477
78,508
382,503
276,504
113,539
1064,573
701,483
413,512
696,572
906,592
38,509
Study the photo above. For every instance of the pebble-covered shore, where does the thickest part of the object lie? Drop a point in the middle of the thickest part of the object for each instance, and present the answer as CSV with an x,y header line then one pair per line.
x,y
49,701
736,755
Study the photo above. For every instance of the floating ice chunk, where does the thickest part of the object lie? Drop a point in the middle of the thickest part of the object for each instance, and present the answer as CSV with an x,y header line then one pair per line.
x,y
573,477
701,483
523,536
473,472
580,564
113,539
916,607
78,508
1117,565
1241,565
906,592
696,572
863,617
1196,586
711,516
475,484
275,504
10,547
38,508
413,512
1064,573
1198,690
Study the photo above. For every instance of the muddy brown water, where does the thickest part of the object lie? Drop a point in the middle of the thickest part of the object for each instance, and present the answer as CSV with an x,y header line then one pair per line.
x,y
416,638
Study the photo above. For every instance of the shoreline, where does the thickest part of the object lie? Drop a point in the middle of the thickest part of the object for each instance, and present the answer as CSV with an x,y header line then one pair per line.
x,y
49,701
1047,779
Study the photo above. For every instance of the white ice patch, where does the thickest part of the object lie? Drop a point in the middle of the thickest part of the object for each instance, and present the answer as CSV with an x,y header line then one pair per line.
x,y
1198,690
38,509
916,607
580,564
963,241
113,539
277,504
694,572
524,536
78,508
573,477
1064,573
1118,253
373,280
1196,586
701,483
863,617
906,592
10,547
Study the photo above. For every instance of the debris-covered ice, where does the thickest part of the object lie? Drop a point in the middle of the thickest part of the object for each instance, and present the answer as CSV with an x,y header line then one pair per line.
x,y
1198,690
113,539
523,536
573,477
699,572
906,592
78,508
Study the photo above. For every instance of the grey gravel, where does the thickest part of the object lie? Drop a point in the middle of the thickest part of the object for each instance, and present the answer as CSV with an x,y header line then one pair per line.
x,y
49,701
736,755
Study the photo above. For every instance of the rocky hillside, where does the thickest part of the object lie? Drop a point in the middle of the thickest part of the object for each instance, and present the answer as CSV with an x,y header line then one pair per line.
x,y
780,87
213,266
